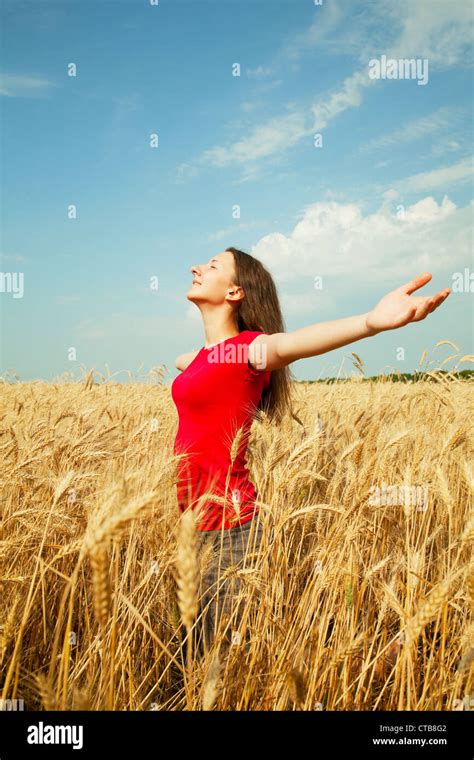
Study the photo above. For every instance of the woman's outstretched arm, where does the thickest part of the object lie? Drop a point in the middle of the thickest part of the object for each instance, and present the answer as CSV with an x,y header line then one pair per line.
x,y
396,309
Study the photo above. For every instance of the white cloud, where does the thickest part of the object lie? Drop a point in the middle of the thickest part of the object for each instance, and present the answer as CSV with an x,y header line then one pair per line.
x,y
23,86
257,102
443,177
249,105
275,135
260,72
324,33
314,302
337,240
14,257
440,32
232,230
414,130
349,96
447,146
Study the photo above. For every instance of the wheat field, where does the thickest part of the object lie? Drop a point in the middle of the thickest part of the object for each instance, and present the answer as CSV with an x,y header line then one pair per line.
x,y
356,603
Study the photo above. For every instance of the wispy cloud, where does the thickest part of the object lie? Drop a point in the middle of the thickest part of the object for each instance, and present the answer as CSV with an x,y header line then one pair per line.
x,y
308,302
24,86
396,30
441,32
120,133
443,118
448,146
256,98
260,72
232,230
17,258
264,140
326,34
446,176
348,96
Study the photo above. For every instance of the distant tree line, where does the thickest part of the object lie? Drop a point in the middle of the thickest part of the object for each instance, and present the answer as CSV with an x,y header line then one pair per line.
x,y
399,377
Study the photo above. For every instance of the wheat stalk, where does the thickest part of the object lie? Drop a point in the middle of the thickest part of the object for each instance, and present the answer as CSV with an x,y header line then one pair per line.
x,y
210,686
7,629
114,525
296,686
101,585
427,611
187,568
468,532
236,444
80,700
48,698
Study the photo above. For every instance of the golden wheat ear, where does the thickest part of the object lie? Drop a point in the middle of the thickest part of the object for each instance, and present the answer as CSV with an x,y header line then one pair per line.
x,y
187,566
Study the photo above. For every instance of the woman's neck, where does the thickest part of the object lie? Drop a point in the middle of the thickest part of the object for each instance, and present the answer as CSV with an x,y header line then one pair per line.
x,y
218,330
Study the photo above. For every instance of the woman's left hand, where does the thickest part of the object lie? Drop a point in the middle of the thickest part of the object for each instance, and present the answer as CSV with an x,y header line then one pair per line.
x,y
399,308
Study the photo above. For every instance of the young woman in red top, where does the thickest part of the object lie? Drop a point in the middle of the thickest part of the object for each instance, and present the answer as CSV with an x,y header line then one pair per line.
x,y
243,367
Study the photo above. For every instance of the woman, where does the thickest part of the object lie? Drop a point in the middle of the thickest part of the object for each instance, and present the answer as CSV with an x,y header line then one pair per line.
x,y
243,367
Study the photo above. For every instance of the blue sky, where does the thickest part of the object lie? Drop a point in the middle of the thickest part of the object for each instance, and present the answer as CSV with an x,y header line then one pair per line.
x,y
386,195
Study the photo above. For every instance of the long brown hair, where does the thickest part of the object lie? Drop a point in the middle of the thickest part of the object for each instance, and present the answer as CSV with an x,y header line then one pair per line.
x,y
260,310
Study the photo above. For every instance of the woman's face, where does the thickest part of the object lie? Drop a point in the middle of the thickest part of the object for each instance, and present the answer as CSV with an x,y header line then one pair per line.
x,y
214,282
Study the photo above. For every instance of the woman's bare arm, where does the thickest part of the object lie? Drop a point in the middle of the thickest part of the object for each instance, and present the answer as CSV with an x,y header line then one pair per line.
x,y
396,309
184,360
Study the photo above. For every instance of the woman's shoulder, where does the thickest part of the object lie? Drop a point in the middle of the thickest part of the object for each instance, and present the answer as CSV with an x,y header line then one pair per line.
x,y
254,366
248,335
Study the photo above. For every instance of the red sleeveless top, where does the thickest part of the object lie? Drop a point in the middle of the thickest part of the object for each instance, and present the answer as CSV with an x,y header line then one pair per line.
x,y
216,395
